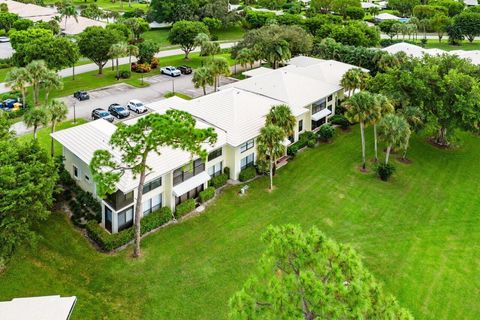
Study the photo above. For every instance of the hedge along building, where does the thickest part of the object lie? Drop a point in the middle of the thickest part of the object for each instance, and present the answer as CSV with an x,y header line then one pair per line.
x,y
310,87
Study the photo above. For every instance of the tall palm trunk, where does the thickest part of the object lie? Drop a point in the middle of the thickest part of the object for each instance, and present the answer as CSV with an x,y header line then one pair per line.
x,y
35,132
130,61
118,70
375,141
204,90
47,92
387,156
138,209
271,174
52,145
362,133
36,94
23,97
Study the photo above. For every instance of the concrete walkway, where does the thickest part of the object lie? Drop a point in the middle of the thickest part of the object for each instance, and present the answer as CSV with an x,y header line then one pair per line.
x,y
92,66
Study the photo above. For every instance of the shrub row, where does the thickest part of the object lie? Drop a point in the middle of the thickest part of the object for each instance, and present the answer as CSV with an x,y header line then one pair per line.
x,y
207,194
326,132
109,242
247,174
184,208
305,139
219,181
340,121
141,67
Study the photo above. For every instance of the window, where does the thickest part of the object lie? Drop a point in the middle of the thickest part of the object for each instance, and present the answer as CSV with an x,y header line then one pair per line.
x,y
215,170
154,184
76,172
125,219
247,145
247,161
215,154
318,106
192,194
152,204
330,97
300,126
186,172
87,178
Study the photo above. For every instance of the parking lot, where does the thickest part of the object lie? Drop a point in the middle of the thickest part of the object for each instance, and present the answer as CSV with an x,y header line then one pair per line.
x,y
122,93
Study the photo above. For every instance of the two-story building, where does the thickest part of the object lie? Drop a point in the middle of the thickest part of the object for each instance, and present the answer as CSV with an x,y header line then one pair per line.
x,y
310,87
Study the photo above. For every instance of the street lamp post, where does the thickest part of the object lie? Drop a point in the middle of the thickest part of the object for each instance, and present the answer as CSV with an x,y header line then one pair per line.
x,y
74,112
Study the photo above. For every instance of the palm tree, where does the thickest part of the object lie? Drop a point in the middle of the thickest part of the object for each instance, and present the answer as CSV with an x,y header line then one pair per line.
x,y
35,117
279,51
384,106
67,10
245,57
116,51
415,119
202,77
57,112
354,79
395,132
51,81
132,50
270,146
360,108
18,79
37,72
281,116
219,67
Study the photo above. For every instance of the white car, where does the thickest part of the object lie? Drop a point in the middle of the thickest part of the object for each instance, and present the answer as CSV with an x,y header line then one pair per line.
x,y
136,106
171,71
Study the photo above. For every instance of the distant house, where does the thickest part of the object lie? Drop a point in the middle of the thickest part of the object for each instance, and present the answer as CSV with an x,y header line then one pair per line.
x,y
387,16
309,86
470,3
38,13
38,308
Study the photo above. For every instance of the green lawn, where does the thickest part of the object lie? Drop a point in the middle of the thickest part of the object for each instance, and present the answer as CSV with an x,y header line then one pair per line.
x,y
108,4
44,135
419,234
444,45
161,35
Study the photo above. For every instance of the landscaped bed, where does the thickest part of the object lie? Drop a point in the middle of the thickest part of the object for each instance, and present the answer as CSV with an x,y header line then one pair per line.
x,y
418,233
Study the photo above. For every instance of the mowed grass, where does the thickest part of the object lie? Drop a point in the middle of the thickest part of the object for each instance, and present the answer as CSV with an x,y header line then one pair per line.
x,y
109,5
419,234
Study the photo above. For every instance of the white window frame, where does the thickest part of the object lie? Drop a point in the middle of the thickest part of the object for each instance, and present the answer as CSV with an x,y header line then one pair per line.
x,y
247,162
247,145
216,169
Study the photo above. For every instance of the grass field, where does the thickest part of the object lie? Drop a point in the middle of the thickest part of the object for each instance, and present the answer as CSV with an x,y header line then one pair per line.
x,y
161,35
419,234
444,45
111,5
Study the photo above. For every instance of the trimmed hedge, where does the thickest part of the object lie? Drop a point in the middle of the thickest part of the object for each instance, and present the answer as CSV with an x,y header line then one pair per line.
x,y
109,242
247,174
326,132
340,121
184,208
219,181
207,194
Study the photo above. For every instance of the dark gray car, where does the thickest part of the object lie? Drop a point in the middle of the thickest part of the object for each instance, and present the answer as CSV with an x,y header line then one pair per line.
x,y
118,111
100,113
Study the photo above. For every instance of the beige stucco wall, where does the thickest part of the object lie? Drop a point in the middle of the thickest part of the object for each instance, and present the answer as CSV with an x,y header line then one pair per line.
x,y
71,160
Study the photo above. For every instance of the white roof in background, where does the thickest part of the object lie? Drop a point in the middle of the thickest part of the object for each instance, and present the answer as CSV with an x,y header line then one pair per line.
x,y
277,12
295,89
304,61
383,4
368,5
85,139
386,16
37,308
159,25
412,50
191,183
39,13
257,72
239,113
470,2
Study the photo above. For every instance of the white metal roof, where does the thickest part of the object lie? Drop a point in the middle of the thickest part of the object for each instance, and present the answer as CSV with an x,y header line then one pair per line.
x,y
470,2
368,5
473,55
321,114
304,61
37,308
85,139
257,72
386,16
191,183
241,114
412,50
293,88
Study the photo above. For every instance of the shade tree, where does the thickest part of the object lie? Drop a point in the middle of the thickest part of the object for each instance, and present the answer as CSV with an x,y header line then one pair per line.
x,y
184,33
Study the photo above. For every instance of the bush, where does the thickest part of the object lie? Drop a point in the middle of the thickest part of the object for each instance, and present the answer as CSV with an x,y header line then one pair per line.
x,y
307,138
326,132
141,67
185,207
385,171
156,219
340,121
154,63
292,150
263,167
219,181
355,13
207,194
109,242
125,74
247,174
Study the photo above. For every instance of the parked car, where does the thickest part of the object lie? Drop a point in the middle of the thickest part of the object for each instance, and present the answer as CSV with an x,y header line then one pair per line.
x,y
170,71
4,39
9,103
118,111
81,95
100,113
137,106
185,69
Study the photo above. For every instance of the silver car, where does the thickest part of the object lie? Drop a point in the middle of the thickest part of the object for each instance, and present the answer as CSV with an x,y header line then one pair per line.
x,y
136,106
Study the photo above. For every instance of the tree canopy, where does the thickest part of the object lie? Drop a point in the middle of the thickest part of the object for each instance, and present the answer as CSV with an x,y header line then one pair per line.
x,y
95,43
184,33
305,275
